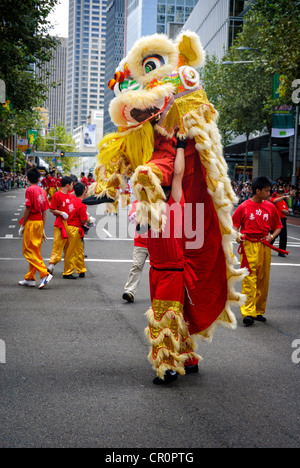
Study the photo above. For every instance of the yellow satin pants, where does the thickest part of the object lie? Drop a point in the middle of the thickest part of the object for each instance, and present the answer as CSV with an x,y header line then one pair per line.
x,y
74,253
32,246
256,285
59,245
51,192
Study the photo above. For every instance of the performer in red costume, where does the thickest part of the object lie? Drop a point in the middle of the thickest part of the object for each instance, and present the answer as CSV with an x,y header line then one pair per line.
x,y
171,278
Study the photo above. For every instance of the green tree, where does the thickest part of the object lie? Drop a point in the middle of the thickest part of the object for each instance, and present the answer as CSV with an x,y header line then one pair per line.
x,y
58,139
24,43
273,28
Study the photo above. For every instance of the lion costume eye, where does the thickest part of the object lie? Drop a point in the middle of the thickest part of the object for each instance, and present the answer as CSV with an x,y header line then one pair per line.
x,y
153,62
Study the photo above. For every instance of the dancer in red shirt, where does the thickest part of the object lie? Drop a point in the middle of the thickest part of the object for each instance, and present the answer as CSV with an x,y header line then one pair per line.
x,y
78,217
256,218
60,209
32,230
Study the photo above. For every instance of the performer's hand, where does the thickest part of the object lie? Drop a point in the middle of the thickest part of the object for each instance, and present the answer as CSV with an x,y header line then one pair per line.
x,y
92,220
64,215
21,231
269,238
142,229
239,238
181,143
45,238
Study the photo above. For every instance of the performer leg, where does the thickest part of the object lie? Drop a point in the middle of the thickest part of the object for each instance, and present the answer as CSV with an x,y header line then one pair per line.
x,y
140,255
73,251
59,245
80,265
263,278
32,246
249,285
167,332
283,235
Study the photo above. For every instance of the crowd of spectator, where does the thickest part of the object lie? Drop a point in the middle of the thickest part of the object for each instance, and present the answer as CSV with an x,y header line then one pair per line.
x,y
243,190
11,180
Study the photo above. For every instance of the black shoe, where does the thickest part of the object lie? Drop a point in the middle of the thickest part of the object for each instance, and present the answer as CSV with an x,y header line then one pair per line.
x,y
69,277
81,275
169,378
128,297
260,318
191,369
248,321
281,255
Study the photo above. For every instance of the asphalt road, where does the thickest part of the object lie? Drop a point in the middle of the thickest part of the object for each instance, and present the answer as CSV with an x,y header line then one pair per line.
x,y
77,375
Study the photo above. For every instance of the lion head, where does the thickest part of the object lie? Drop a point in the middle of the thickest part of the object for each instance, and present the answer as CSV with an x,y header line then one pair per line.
x,y
156,72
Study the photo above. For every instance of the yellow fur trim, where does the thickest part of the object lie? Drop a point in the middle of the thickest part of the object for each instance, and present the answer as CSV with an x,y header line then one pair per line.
x,y
136,146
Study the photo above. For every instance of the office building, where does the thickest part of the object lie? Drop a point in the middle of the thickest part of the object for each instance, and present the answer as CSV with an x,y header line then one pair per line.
x,y
217,22
146,17
56,71
115,51
86,60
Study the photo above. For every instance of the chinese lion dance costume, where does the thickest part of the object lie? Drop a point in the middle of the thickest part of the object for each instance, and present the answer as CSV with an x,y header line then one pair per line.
x,y
158,98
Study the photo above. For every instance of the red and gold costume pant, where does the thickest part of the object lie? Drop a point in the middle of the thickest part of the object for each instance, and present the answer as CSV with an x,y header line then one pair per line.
x,y
256,285
167,333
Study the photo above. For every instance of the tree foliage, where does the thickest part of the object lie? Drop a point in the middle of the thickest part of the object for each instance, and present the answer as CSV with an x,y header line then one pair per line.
x,y
58,139
273,28
24,43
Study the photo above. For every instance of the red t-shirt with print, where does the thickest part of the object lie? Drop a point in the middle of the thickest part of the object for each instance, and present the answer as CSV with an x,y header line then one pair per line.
x,y
256,218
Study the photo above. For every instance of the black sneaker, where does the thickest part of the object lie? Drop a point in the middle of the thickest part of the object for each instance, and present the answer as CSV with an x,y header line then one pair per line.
x,y
71,277
191,369
128,297
260,318
248,321
169,378
81,275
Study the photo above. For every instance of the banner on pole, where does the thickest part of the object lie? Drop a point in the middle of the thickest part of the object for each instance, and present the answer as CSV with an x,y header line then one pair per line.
x,y
283,116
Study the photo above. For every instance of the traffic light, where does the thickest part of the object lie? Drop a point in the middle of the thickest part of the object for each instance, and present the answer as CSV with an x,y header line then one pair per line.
x,y
62,154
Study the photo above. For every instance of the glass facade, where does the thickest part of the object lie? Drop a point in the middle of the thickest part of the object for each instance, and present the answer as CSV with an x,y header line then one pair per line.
x,y
115,36
86,60
146,17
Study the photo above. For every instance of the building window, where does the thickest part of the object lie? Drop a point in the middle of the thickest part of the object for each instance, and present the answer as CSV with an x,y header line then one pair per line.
x,y
236,7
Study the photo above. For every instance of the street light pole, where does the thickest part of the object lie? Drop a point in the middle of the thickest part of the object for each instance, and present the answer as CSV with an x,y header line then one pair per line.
x,y
294,175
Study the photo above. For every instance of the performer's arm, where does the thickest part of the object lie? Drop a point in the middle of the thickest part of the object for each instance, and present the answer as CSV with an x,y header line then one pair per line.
x,y
272,236
26,215
179,168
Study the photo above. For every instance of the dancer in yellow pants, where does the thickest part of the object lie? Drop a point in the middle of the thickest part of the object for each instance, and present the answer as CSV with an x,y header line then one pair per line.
x,y
256,285
60,208
78,217
32,230
256,218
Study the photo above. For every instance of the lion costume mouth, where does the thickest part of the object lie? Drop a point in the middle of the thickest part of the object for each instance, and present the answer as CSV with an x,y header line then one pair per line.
x,y
134,115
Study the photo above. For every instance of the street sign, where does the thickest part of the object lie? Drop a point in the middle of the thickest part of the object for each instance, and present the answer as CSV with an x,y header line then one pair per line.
x,y
22,144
